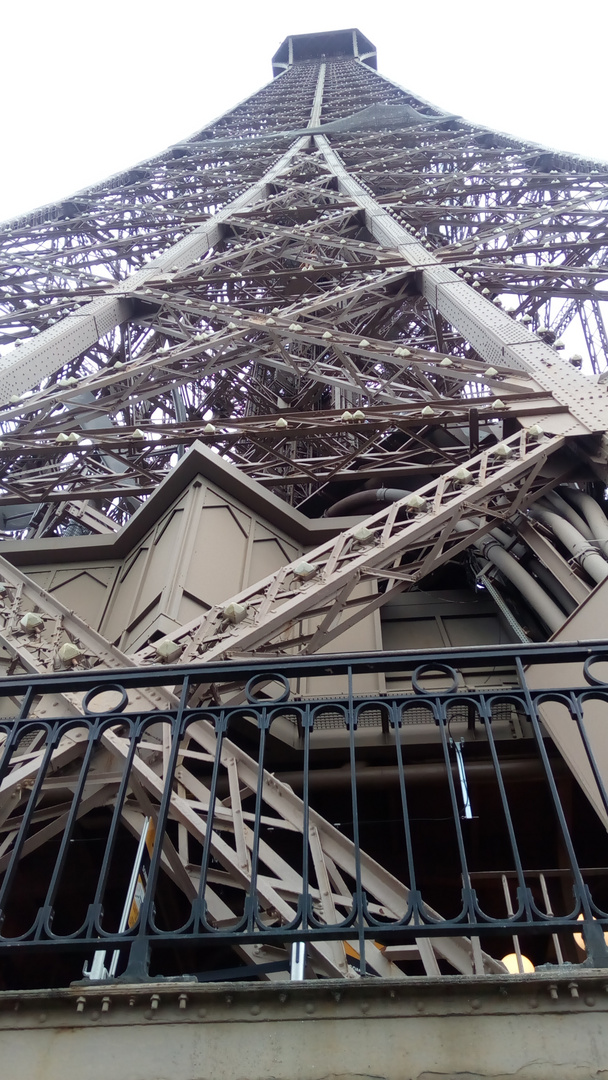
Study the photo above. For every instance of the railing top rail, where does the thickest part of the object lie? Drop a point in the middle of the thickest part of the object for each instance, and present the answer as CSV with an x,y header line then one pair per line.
x,y
485,656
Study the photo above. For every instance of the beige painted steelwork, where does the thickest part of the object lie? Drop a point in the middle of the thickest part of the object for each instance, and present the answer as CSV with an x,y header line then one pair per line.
x,y
308,335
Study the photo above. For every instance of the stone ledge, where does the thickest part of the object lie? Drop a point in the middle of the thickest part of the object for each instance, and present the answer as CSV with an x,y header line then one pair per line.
x,y
564,991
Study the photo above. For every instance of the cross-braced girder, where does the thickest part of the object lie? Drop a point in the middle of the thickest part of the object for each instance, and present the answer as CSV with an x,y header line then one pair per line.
x,y
335,289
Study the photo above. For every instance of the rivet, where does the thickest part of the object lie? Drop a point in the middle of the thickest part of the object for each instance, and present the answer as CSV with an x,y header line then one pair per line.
x,y
419,1006
364,1006
310,1007
95,1014
154,1001
105,1004
80,1004
229,999
254,1010
553,992
337,995
534,1003
476,1003
132,1001
148,1014
183,1001
573,988
202,1013
589,1000
282,997
41,1017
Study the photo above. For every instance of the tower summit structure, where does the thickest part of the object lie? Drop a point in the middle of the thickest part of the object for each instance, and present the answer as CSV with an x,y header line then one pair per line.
x,y
303,564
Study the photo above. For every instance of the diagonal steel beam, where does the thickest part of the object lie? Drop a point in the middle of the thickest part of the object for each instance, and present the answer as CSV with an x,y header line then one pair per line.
x,y
274,605
494,335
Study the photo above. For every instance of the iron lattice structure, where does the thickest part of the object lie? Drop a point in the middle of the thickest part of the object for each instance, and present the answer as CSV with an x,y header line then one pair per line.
x,y
333,289
140,310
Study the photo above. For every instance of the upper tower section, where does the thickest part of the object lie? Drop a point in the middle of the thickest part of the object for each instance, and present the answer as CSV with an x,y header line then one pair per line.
x,y
331,45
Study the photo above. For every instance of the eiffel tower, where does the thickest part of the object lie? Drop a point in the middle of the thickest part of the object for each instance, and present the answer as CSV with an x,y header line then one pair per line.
x,y
318,388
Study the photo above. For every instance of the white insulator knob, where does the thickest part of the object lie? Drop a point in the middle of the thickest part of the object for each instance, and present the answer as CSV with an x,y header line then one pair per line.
x,y
234,613
30,621
502,450
304,569
69,651
167,650
416,502
362,534
535,431
462,475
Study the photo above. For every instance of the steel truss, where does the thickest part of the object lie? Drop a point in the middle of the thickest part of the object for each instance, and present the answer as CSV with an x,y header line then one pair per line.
x,y
333,285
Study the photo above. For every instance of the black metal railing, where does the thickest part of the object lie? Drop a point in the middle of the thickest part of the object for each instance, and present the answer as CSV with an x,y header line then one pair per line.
x,y
154,820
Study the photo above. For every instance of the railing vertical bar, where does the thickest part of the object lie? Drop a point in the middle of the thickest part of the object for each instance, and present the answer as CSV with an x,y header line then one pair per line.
x,y
556,942
592,934
14,736
110,845
46,912
251,902
561,817
486,713
578,716
52,740
305,898
139,957
201,915
411,866
355,812
441,713
516,946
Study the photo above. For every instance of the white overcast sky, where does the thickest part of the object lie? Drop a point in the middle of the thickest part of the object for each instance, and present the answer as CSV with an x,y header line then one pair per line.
x,y
89,88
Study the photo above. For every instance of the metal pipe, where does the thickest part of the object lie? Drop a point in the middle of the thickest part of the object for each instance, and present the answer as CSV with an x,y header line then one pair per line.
x,y
591,561
539,600
560,506
553,586
427,772
596,518
353,503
